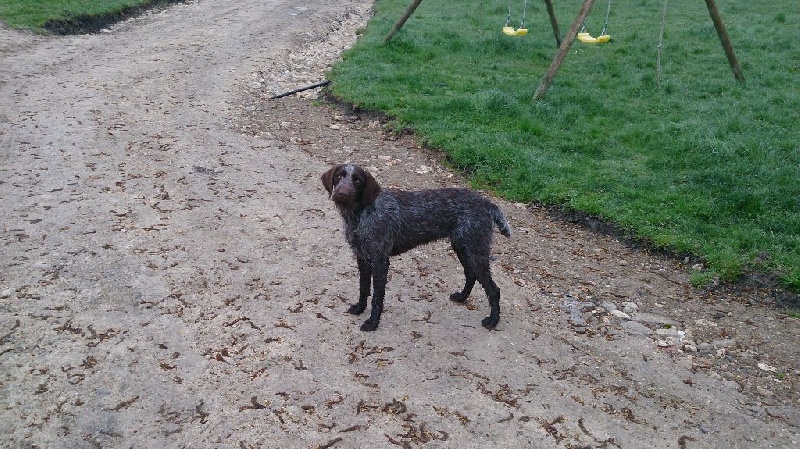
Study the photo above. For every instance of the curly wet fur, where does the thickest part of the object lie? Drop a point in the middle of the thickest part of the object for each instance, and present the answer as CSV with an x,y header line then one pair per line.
x,y
381,223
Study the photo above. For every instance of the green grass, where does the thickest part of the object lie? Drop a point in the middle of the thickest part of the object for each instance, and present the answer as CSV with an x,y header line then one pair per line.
x,y
36,14
698,165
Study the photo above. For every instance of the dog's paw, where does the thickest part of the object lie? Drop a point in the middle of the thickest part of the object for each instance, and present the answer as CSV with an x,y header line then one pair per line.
x,y
356,309
490,322
369,326
458,297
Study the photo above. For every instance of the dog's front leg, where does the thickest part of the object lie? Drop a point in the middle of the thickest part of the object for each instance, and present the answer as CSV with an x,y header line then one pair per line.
x,y
380,274
364,282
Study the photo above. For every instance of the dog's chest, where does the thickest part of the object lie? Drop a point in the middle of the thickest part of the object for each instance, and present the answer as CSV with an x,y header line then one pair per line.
x,y
367,234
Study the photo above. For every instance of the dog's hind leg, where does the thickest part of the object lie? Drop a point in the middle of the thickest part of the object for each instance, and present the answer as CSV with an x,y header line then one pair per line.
x,y
483,272
493,294
365,281
468,275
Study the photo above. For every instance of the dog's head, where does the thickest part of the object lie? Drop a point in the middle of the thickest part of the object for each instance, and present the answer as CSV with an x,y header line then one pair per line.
x,y
351,186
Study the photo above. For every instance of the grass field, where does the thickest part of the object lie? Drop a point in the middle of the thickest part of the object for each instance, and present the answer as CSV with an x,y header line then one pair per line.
x,y
696,164
69,15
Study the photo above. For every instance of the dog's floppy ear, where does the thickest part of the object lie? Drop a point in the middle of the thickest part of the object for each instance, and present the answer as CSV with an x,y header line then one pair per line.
x,y
371,190
327,179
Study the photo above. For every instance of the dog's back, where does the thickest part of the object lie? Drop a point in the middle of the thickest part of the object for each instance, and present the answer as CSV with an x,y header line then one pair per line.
x,y
428,215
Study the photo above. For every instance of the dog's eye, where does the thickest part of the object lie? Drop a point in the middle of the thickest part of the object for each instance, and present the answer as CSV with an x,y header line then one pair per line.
x,y
357,181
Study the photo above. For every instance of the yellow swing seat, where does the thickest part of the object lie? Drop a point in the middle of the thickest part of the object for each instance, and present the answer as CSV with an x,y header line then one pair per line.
x,y
587,38
510,31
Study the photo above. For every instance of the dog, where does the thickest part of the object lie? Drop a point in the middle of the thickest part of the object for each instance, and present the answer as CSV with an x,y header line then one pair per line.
x,y
380,223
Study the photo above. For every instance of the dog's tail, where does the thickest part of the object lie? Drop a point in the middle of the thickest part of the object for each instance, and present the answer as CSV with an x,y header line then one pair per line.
x,y
500,220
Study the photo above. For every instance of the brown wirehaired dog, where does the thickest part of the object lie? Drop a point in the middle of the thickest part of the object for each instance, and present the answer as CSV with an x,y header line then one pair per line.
x,y
381,223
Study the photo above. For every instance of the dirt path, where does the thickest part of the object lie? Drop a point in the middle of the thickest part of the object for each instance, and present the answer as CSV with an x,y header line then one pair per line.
x,y
172,275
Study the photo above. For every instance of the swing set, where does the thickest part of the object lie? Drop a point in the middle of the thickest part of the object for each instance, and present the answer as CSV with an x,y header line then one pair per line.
x,y
578,31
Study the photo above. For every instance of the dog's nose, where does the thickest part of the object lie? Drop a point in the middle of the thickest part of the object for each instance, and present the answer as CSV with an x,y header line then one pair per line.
x,y
342,192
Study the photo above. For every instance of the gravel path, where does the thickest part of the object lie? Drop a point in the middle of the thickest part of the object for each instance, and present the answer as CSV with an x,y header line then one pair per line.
x,y
172,274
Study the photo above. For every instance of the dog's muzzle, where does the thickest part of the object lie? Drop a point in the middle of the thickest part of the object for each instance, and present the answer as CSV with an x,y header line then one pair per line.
x,y
343,193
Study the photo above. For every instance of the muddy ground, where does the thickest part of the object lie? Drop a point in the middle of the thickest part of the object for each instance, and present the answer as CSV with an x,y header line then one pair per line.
x,y
172,274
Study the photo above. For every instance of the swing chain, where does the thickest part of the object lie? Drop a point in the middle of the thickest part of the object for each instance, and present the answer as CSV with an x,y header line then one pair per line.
x,y
508,16
605,25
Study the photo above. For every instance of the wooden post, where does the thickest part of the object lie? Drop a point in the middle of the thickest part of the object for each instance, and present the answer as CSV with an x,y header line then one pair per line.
x,y
563,50
553,22
402,21
726,41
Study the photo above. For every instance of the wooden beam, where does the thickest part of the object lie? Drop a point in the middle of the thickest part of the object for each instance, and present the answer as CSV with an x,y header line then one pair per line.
x,y
553,22
725,39
563,49
402,21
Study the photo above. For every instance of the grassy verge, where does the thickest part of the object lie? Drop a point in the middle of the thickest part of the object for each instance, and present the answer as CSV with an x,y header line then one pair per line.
x,y
71,16
697,165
